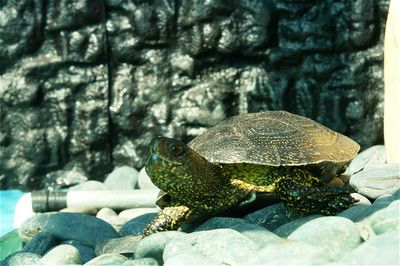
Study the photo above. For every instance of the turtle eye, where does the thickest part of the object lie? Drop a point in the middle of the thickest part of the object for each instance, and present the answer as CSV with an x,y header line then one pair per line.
x,y
177,149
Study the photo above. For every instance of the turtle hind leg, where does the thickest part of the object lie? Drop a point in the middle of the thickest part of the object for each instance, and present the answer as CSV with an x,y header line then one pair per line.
x,y
170,218
305,199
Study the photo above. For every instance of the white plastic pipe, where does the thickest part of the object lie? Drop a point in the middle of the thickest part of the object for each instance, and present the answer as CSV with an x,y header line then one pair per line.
x,y
113,199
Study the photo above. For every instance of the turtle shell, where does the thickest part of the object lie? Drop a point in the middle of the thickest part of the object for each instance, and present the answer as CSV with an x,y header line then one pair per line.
x,y
275,138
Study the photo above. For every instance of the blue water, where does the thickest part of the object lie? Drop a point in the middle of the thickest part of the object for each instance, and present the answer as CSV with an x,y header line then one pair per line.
x,y
8,200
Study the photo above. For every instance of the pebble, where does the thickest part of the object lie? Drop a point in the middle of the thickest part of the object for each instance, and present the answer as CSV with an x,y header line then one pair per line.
x,y
385,200
220,222
365,230
105,213
362,200
192,224
396,203
68,226
386,220
61,255
86,253
194,259
178,248
371,157
288,252
122,245
108,259
135,226
377,181
380,250
130,214
270,217
153,245
357,213
122,178
20,258
41,243
144,181
110,216
222,245
360,212
286,229
10,243
335,235
141,262
259,235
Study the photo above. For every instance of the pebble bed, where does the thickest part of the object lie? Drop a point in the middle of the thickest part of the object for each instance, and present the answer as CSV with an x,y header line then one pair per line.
x,y
365,234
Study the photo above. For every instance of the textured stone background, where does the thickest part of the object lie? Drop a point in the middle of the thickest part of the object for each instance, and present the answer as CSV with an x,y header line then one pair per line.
x,y
86,84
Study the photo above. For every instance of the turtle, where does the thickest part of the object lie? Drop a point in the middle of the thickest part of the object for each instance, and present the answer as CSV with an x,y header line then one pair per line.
x,y
286,156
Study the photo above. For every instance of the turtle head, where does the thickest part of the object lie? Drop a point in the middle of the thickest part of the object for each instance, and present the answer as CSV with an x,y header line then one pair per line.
x,y
168,152
177,169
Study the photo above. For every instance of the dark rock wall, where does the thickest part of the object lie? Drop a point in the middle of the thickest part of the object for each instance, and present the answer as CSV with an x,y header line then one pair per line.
x,y
86,84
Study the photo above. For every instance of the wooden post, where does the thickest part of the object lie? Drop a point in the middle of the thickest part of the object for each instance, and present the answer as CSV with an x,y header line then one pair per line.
x,y
392,83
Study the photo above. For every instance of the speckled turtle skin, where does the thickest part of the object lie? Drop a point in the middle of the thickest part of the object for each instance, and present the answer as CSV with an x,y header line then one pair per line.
x,y
287,156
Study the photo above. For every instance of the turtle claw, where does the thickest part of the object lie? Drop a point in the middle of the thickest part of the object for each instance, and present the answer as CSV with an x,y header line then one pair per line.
x,y
355,200
315,200
248,200
340,203
170,218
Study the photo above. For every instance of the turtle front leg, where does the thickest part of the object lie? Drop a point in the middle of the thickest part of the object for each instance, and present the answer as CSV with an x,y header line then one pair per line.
x,y
170,218
305,199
